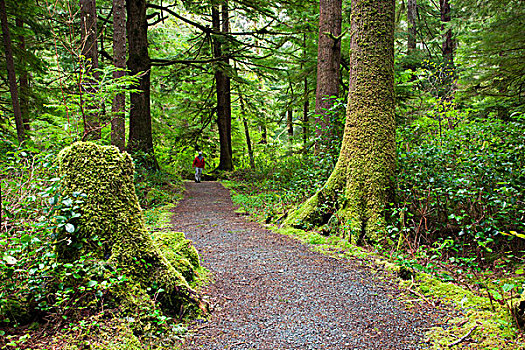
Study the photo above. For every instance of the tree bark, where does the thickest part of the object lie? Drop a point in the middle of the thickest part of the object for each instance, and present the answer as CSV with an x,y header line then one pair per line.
x,y
305,114
247,133
448,42
222,81
11,73
361,185
140,132
118,124
411,18
289,122
88,25
264,132
306,98
24,78
328,62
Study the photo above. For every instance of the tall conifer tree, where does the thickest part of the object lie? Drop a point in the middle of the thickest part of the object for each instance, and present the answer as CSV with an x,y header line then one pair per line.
x,y
328,62
11,74
361,185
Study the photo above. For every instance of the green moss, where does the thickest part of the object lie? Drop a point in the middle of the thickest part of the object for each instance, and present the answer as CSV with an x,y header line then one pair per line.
x,y
362,182
111,212
121,338
179,251
493,322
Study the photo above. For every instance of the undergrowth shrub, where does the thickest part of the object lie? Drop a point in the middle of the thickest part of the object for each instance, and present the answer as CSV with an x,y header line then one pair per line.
x,y
460,187
36,286
467,185
33,282
269,191
155,187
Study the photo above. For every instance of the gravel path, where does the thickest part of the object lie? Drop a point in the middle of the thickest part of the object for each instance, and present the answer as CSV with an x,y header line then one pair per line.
x,y
272,292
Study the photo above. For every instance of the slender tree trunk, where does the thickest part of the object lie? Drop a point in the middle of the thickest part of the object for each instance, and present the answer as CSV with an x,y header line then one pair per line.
x,y
306,98
228,103
140,132
222,81
264,132
24,78
289,122
305,114
11,74
447,88
247,132
361,184
88,25
328,61
411,18
448,42
118,123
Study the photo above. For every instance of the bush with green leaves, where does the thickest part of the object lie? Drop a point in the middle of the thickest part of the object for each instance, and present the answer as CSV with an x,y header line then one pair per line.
x,y
33,282
36,217
466,183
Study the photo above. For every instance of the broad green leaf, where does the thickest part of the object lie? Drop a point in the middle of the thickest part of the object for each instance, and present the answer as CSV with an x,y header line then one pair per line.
x,y
10,260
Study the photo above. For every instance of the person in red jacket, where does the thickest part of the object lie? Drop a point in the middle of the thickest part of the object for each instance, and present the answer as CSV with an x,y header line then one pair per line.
x,y
198,164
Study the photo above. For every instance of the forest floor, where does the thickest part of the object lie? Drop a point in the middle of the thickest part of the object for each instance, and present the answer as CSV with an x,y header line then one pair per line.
x,y
269,291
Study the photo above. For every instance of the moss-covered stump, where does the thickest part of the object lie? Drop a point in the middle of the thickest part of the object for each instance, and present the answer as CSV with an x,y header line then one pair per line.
x,y
112,224
179,251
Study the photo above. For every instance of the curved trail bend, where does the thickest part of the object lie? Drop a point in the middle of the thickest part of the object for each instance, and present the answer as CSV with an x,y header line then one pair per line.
x,y
271,292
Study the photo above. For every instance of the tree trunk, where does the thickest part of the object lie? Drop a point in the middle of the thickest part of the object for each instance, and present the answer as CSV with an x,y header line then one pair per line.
x,y
88,25
11,74
411,18
306,97
328,62
264,132
305,114
446,93
140,138
247,133
448,42
223,91
24,78
289,122
361,184
118,124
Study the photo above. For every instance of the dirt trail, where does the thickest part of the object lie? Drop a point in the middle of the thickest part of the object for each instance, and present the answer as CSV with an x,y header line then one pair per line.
x,y
272,292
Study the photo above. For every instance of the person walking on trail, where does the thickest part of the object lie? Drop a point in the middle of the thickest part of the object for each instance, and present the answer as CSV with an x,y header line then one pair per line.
x,y
198,164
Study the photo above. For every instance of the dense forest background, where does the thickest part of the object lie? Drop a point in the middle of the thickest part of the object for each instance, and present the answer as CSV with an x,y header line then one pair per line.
x,y
261,89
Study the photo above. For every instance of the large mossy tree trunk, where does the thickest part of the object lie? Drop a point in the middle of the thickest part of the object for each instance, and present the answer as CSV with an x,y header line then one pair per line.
x,y
362,182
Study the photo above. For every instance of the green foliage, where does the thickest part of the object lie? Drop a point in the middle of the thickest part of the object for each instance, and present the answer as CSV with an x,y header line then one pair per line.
x,y
267,192
467,183
38,215
491,56
35,213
